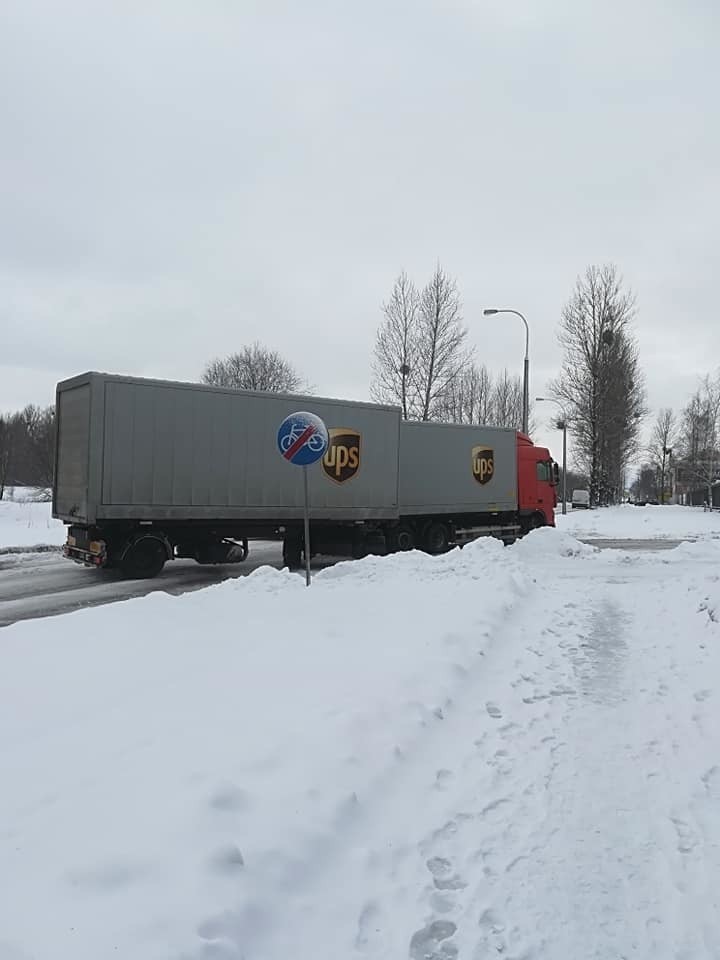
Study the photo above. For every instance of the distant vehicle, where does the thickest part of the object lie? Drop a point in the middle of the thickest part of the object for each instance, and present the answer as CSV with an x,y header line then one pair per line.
x,y
148,470
581,500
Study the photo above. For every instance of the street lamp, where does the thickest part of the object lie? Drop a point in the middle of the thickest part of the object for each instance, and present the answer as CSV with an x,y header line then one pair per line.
x,y
490,312
562,423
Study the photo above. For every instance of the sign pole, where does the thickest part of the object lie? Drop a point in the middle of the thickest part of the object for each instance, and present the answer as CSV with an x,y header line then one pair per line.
x,y
307,528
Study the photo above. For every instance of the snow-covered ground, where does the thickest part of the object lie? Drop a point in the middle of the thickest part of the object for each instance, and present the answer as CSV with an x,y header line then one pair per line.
x,y
629,522
27,522
500,752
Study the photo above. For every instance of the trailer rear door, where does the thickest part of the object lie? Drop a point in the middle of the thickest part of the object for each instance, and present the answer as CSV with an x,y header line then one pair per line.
x,y
70,494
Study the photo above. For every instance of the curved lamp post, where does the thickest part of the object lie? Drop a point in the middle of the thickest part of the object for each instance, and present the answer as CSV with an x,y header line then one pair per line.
x,y
490,312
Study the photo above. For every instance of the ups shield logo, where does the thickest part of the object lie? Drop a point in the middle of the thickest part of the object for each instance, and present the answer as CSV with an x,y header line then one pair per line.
x,y
483,464
342,457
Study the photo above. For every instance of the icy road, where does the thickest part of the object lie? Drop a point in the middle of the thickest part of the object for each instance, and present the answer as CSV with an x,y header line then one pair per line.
x,y
46,584
501,752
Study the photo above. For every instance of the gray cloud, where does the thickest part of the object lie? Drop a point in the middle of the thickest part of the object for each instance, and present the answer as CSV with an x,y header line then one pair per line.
x,y
181,178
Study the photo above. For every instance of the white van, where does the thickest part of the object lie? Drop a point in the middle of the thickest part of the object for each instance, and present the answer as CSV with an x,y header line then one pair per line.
x,y
581,499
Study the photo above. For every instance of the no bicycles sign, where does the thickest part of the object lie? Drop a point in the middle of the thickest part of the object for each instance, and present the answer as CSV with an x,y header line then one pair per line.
x,y
302,440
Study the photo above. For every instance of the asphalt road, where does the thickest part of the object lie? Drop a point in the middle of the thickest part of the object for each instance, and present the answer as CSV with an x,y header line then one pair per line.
x,y
45,584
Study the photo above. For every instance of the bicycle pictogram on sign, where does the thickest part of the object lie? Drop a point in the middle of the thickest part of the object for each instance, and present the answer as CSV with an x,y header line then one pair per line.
x,y
302,438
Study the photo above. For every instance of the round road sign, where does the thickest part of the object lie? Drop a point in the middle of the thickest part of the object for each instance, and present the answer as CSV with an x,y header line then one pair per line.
x,y
302,438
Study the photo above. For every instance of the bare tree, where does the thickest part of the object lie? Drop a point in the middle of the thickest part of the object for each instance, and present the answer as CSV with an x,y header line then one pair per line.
x,y
396,348
600,383
419,350
468,398
39,430
254,368
441,354
662,441
7,437
700,435
27,448
476,396
507,401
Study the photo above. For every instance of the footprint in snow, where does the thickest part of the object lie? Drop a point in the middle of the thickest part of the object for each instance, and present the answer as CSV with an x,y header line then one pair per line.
x,y
370,925
430,943
442,778
492,931
443,876
439,866
687,839
494,711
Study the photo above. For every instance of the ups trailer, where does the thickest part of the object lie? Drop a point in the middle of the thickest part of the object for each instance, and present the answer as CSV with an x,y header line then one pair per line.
x,y
458,482
149,470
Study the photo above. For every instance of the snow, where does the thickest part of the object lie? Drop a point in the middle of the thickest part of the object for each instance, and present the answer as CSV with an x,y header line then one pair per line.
x,y
26,522
498,752
663,522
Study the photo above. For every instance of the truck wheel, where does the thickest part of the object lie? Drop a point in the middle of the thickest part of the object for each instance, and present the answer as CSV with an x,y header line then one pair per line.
x,y
402,538
143,559
437,538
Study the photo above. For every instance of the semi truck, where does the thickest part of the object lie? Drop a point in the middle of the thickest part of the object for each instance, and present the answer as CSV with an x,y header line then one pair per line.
x,y
150,470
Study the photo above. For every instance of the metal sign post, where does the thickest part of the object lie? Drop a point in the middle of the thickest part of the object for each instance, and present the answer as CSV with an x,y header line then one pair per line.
x,y
307,528
302,440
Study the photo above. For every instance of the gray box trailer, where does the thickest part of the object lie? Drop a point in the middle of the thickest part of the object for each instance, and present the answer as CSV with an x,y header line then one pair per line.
x,y
457,469
138,453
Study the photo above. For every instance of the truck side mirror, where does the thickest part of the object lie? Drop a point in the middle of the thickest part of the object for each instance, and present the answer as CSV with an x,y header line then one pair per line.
x,y
556,473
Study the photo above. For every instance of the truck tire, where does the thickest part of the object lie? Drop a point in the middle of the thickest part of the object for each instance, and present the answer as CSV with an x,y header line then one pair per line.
x,y
143,559
402,538
437,538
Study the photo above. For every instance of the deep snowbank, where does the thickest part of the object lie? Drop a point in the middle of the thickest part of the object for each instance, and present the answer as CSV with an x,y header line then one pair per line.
x,y
629,522
166,759
260,771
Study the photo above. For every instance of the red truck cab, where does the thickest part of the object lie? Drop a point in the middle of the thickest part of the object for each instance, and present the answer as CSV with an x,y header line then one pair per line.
x,y
537,484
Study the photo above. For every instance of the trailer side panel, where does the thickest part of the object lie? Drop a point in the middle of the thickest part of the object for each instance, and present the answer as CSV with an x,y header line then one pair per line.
x,y
457,469
179,452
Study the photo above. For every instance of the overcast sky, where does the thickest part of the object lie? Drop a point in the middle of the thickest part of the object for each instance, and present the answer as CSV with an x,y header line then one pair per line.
x,y
181,177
